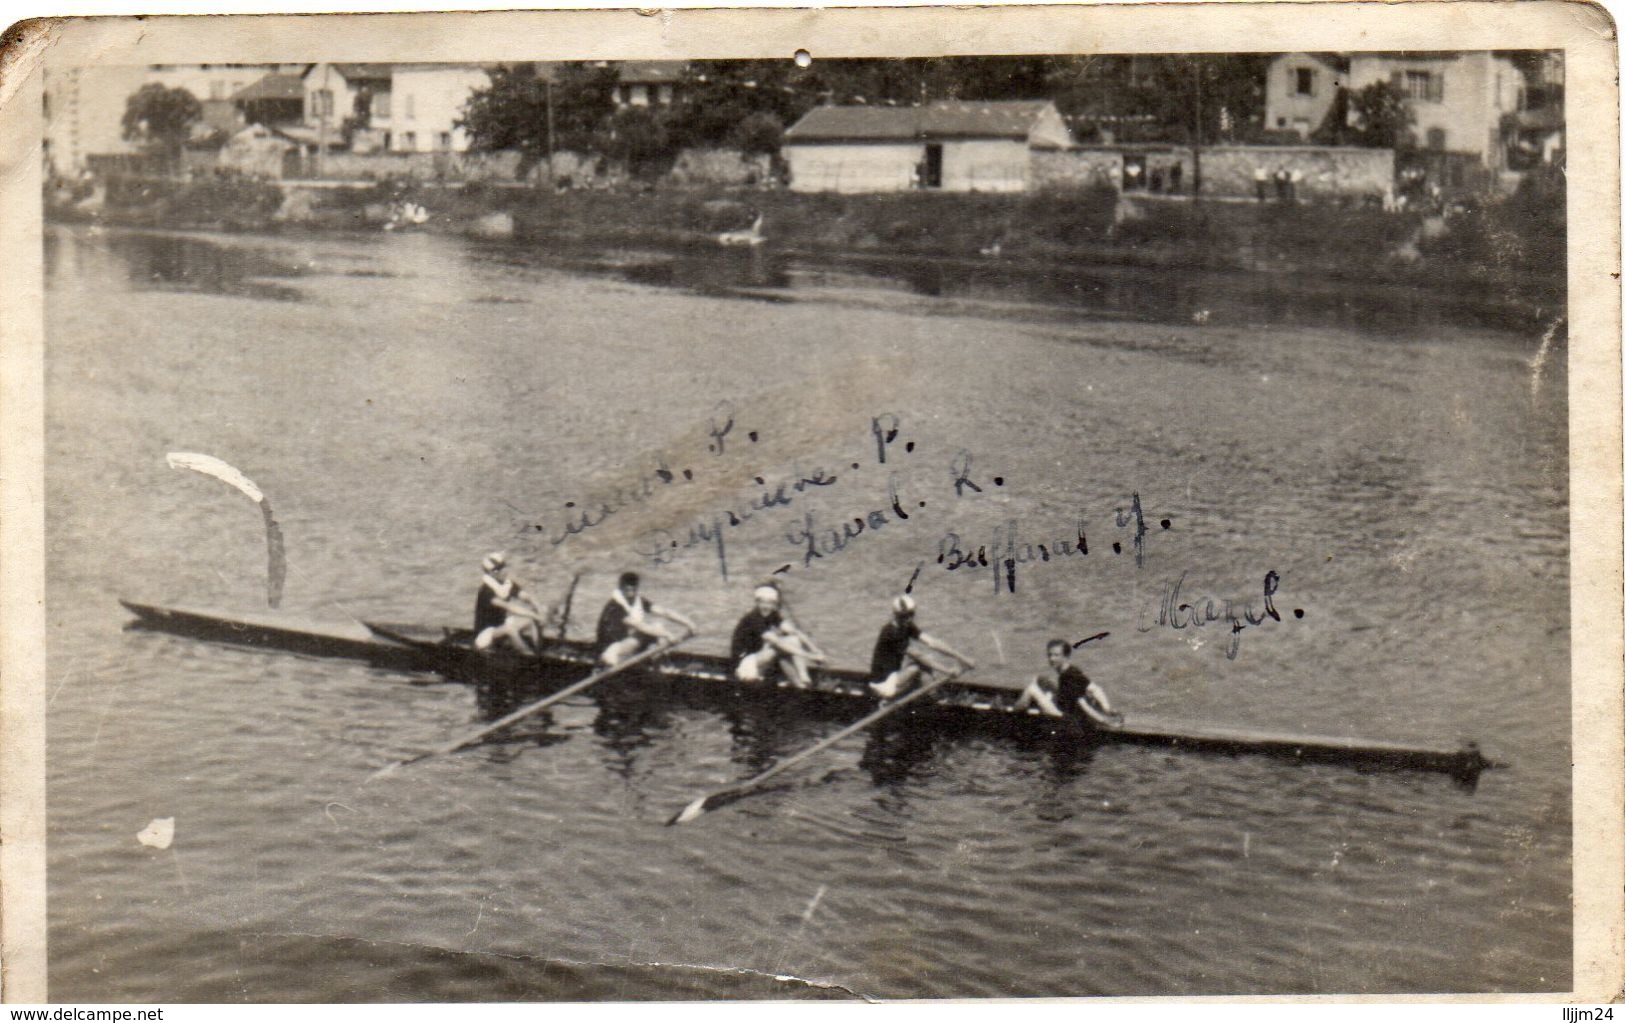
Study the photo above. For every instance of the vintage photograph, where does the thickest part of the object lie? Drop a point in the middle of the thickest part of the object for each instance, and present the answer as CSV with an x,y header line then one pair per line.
x,y
1056,521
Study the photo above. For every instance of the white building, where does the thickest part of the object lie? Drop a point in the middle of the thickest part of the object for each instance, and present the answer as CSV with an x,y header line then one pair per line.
x,y
427,103
948,146
1459,100
84,114
339,93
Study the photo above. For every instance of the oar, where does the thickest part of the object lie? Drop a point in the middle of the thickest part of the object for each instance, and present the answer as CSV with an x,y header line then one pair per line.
x,y
714,799
564,614
531,708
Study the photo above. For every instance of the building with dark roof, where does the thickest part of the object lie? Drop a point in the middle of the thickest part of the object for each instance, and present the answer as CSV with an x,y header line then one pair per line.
x,y
273,100
949,145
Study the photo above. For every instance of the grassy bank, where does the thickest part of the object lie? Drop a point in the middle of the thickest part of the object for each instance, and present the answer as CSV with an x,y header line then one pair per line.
x,y
1508,251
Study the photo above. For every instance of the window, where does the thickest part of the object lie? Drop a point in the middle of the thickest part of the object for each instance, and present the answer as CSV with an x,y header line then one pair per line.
x,y
321,103
1426,86
380,104
409,140
1436,139
445,140
1305,81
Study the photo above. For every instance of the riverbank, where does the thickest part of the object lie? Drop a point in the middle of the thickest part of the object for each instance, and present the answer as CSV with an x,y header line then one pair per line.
x,y
1507,254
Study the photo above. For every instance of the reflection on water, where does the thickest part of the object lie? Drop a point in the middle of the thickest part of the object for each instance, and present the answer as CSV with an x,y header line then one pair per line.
x,y
1048,290
1052,290
164,262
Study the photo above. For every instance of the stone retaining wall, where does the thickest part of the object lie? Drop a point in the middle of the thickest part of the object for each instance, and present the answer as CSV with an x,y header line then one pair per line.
x,y
1076,168
1324,172
721,167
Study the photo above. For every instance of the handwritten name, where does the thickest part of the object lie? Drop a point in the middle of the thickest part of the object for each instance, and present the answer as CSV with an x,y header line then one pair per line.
x,y
662,546
821,542
1176,612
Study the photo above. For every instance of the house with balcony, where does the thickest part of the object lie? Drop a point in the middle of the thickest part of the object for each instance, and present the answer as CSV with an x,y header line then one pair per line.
x,y
274,100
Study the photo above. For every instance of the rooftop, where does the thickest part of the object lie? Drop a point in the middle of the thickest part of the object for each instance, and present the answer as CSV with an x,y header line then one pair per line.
x,y
288,87
944,119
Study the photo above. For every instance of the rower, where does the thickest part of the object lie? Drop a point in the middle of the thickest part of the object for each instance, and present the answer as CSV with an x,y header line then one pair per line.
x,y
766,640
504,615
894,666
627,624
1069,693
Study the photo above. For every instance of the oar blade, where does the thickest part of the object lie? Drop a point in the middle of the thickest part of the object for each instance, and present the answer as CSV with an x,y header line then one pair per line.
x,y
384,772
690,811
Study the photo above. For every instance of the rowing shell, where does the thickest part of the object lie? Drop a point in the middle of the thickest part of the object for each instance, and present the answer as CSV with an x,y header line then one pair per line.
x,y
707,678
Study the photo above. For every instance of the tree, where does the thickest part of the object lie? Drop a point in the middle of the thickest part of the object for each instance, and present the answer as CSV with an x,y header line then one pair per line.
x,y
541,111
1184,98
510,113
1381,116
637,137
160,119
757,133
583,103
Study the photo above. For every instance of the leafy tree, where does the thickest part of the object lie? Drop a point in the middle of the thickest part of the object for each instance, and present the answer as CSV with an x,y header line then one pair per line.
x,y
513,111
1381,115
583,103
1218,95
160,119
1334,128
758,133
638,137
715,97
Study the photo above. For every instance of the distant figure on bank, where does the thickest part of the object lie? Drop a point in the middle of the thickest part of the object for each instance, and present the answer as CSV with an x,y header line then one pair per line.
x,y
1261,183
765,641
504,615
893,665
1068,692
1283,181
1176,177
627,624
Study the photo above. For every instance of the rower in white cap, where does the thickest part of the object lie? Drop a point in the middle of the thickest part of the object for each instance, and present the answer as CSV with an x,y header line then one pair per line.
x,y
894,666
503,613
766,640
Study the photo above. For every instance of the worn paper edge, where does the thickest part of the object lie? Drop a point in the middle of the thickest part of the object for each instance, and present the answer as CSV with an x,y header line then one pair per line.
x,y
1597,519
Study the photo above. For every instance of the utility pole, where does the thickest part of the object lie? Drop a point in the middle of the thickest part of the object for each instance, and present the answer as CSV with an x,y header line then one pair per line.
x,y
550,126
1196,137
324,109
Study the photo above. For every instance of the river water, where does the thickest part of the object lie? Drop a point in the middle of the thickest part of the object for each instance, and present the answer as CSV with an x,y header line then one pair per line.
x,y
409,402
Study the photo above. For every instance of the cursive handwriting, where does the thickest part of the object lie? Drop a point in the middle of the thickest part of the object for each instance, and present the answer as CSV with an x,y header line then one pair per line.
x,y
821,542
595,511
1006,552
1176,612
661,546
